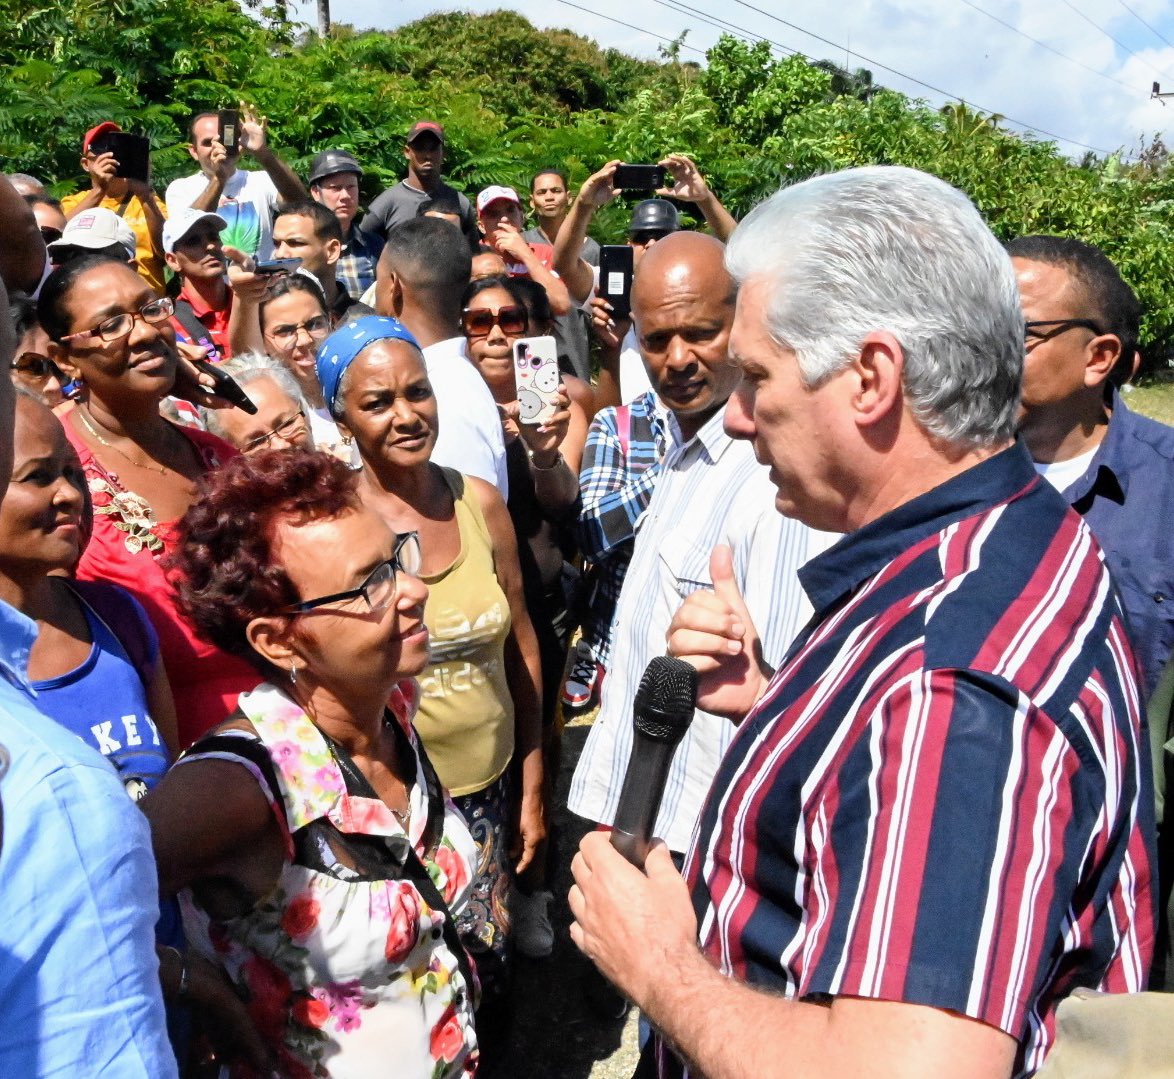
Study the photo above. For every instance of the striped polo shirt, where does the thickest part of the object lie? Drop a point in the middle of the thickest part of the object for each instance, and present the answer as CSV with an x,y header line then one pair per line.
x,y
944,795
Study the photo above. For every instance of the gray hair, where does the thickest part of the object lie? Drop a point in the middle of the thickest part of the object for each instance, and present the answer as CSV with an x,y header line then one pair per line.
x,y
888,248
250,367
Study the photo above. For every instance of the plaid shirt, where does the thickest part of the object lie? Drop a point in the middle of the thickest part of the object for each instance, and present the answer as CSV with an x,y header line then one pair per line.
x,y
621,463
355,268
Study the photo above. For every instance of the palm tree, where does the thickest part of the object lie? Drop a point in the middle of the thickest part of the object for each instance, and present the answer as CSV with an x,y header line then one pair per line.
x,y
323,18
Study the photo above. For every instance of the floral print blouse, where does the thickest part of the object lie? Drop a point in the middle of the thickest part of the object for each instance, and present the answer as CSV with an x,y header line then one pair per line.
x,y
345,976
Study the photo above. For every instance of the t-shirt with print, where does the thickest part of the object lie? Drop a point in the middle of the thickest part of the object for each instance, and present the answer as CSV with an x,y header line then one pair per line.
x,y
148,257
247,204
104,700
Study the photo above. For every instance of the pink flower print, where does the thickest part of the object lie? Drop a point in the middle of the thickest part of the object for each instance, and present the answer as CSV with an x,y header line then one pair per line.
x,y
456,873
285,754
404,926
346,1001
448,1037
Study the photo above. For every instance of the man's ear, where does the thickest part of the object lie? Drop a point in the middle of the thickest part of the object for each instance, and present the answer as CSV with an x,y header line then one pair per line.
x,y
1101,356
172,261
192,151
389,294
878,370
270,638
333,252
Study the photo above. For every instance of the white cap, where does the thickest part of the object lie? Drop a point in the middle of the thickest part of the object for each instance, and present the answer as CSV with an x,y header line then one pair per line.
x,y
496,193
177,227
96,229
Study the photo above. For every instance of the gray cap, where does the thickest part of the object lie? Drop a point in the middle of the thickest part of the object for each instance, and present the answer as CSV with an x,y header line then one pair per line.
x,y
654,215
330,162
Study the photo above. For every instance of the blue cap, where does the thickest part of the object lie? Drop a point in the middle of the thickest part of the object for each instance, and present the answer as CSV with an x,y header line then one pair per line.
x,y
342,348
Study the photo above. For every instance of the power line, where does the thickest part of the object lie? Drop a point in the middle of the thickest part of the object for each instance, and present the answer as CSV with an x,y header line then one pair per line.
x,y
1151,29
920,82
1101,30
638,29
1045,45
724,24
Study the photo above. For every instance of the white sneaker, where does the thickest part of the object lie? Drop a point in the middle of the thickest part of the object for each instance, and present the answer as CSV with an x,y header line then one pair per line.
x,y
530,922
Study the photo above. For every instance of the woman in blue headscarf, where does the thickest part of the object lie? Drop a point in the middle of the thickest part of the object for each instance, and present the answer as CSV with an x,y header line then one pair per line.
x,y
481,692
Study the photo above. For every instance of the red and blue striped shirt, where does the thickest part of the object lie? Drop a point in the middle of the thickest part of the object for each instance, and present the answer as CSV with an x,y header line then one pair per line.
x,y
944,796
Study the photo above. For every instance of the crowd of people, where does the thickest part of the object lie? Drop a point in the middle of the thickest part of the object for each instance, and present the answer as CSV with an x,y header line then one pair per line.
x,y
283,687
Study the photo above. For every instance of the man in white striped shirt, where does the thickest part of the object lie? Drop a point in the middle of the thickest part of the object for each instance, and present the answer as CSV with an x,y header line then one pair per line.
x,y
711,491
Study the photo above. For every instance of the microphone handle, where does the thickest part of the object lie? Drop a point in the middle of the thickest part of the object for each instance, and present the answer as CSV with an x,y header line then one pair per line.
x,y
640,796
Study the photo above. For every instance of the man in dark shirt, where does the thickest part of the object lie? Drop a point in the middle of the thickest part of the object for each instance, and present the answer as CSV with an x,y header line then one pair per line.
x,y
424,150
334,182
550,200
1114,467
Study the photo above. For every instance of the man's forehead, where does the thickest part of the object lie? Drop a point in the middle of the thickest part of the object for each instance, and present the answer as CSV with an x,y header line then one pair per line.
x,y
1046,283
207,127
498,207
289,226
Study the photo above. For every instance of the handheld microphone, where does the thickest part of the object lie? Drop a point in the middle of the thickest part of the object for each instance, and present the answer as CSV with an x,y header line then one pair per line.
x,y
665,703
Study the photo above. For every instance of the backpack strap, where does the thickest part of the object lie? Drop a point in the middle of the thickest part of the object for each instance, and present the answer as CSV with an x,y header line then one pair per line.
x,y
199,334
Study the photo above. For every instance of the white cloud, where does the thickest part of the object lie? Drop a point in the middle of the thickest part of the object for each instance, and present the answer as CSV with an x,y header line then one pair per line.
x,y
946,43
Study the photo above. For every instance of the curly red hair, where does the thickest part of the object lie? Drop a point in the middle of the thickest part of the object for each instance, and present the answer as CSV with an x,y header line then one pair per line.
x,y
223,568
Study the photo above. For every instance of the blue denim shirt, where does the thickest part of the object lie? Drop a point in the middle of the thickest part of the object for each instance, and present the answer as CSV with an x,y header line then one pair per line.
x,y
1127,498
79,980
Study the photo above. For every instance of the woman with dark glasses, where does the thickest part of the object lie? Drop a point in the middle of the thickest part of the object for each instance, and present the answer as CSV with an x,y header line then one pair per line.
x,y
109,332
480,709
31,366
320,861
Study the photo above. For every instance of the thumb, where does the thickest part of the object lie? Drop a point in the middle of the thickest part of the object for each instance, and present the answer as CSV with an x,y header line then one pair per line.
x,y
239,258
659,862
721,572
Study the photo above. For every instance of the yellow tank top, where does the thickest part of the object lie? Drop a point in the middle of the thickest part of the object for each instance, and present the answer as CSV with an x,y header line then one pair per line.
x,y
466,717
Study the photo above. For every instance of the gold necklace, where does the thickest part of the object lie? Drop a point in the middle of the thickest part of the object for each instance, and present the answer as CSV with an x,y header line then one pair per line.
x,y
151,466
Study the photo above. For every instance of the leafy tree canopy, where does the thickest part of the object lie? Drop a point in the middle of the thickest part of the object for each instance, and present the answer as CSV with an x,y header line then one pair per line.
x,y
515,98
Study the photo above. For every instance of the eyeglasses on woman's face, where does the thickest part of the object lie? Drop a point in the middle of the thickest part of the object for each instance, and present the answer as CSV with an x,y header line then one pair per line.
x,y
378,590
479,322
288,430
286,335
116,327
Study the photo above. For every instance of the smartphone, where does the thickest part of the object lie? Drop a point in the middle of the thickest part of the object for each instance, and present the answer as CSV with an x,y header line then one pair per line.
x,y
276,266
615,278
536,377
638,177
132,152
230,125
226,386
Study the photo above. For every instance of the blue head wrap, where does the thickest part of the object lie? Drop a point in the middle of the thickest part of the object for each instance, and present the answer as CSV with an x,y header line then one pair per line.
x,y
342,347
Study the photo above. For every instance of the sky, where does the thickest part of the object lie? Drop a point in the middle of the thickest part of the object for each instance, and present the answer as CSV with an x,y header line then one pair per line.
x,y
1079,70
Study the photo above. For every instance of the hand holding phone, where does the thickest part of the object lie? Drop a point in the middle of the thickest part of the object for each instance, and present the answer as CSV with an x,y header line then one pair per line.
x,y
229,121
638,177
270,267
616,262
537,378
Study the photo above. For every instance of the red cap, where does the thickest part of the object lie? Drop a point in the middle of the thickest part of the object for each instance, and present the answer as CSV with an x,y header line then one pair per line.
x,y
430,127
94,132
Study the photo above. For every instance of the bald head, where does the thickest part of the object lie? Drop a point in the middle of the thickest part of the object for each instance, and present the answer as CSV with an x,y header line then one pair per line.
x,y
679,258
683,308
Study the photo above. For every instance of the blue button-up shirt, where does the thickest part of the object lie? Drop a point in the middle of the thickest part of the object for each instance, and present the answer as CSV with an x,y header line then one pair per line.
x,y
79,979
1127,498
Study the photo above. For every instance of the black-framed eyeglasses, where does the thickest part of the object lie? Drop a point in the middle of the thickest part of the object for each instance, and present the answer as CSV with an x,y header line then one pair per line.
x,y
50,234
37,368
378,590
289,429
512,319
1046,329
114,328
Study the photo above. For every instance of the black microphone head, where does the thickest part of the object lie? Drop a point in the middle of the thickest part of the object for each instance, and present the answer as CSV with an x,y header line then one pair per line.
x,y
665,700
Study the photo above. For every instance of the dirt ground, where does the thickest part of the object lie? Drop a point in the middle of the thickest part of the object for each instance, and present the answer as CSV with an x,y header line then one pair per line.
x,y
557,1035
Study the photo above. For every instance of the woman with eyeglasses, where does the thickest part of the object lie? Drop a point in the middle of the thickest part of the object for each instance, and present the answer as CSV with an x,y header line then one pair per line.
x,y
294,322
318,860
31,366
480,707
109,332
543,468
280,420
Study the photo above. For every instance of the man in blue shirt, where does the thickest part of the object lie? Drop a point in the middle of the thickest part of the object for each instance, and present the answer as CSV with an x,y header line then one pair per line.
x,y
79,979
1113,466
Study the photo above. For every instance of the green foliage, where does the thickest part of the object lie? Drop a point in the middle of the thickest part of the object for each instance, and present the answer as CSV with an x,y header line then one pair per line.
x,y
515,99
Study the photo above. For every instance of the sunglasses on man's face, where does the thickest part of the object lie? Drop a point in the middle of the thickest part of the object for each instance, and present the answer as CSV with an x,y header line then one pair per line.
x,y
479,323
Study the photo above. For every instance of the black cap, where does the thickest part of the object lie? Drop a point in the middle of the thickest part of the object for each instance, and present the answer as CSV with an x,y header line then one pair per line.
x,y
654,215
330,162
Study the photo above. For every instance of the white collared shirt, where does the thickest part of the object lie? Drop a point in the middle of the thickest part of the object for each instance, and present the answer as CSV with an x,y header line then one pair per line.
x,y
711,491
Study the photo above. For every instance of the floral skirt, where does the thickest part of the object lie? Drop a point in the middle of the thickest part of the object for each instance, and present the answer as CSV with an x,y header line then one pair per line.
x,y
484,924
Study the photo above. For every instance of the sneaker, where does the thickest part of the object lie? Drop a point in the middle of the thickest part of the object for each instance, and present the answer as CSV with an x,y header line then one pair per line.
x,y
530,924
581,686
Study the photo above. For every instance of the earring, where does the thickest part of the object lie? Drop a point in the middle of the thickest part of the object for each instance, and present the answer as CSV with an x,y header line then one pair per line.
x,y
293,675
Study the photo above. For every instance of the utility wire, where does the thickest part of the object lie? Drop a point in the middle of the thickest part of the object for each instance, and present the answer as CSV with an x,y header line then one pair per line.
x,y
724,24
1151,29
1101,30
638,29
1045,45
920,82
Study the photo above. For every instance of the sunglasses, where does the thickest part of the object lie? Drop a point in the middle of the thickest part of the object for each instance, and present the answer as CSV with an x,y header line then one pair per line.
x,y
512,320
38,368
